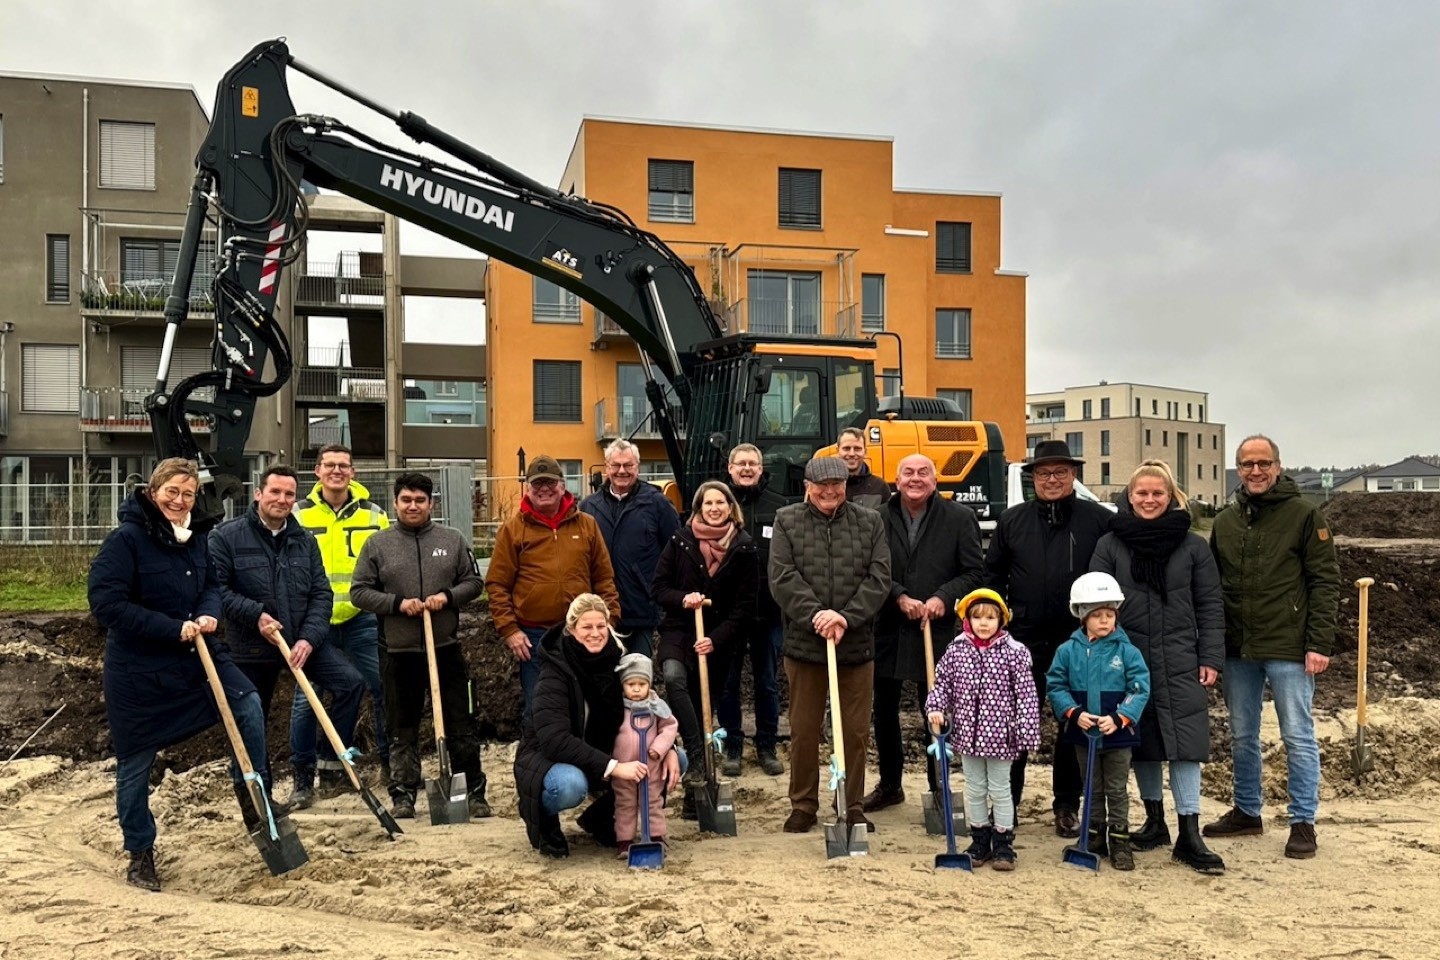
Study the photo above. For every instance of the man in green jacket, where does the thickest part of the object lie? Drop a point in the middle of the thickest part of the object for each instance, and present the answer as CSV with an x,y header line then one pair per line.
x,y
1280,578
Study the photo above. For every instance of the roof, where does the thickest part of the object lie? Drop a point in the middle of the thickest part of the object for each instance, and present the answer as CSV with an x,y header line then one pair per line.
x,y
774,131
107,81
1409,467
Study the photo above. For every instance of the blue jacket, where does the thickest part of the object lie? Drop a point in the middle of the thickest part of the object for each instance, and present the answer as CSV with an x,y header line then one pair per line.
x,y
1106,676
636,530
279,574
143,585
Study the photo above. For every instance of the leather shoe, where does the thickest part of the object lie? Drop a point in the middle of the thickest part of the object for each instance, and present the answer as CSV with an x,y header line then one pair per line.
x,y
1067,824
799,822
882,797
854,818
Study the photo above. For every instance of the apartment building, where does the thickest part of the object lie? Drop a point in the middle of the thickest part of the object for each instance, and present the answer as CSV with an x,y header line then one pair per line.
x,y
1115,426
789,233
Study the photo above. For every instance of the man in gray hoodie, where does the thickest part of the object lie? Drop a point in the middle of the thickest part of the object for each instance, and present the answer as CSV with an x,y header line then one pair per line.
x,y
414,566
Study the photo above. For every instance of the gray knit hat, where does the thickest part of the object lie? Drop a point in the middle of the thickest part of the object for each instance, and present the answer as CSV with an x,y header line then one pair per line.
x,y
636,665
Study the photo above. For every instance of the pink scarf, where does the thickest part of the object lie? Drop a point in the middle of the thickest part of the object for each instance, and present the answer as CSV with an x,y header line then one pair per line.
x,y
714,541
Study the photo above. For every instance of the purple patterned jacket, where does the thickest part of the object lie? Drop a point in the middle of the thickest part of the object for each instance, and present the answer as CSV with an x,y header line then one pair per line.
x,y
989,696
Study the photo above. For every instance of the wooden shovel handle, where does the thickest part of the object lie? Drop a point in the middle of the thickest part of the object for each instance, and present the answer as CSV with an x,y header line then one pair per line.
x,y
434,676
303,683
227,718
929,655
837,734
704,671
1364,583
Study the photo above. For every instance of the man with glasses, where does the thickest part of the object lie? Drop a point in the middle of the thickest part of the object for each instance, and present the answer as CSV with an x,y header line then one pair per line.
x,y
1280,580
636,521
545,555
1038,549
342,517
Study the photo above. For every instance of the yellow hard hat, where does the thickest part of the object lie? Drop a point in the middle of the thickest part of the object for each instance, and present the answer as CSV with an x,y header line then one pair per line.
x,y
962,606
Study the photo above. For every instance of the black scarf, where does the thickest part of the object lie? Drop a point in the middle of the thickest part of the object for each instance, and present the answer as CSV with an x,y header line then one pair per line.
x,y
1151,543
600,686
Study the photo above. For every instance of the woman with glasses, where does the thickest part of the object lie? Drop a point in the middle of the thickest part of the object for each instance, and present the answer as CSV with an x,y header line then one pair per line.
x,y
1174,616
152,586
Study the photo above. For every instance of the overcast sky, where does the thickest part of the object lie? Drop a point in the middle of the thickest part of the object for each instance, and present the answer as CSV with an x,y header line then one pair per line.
x,y
1236,197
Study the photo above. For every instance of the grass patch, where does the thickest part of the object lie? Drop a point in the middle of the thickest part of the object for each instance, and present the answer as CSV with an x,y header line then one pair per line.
x,y
48,578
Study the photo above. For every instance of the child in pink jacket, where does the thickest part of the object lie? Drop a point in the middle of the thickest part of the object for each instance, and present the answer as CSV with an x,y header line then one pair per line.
x,y
984,685
636,676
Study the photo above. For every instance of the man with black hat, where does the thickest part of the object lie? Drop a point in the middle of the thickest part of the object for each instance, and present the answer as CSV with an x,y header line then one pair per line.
x,y
1038,549
830,575
546,555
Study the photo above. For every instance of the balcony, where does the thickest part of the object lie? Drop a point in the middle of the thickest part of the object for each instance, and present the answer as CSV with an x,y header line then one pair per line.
x,y
793,318
107,298
117,410
340,385
354,282
633,421
607,330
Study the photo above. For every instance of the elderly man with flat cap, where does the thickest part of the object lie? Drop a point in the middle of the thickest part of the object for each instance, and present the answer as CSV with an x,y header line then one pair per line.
x,y
1038,549
830,575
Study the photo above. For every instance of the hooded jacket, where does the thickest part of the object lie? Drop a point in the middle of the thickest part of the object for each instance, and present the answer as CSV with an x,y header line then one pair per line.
x,y
404,563
535,571
1106,676
635,530
341,533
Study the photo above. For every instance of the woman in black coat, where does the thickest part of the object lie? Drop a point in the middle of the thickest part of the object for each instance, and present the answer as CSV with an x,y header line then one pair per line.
x,y
152,586
710,557
1174,615
565,744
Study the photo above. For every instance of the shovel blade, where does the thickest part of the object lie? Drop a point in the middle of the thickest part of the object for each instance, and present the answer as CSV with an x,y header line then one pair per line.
x,y
280,855
859,840
1360,759
934,812
387,821
954,861
837,840
1083,859
715,808
448,800
647,856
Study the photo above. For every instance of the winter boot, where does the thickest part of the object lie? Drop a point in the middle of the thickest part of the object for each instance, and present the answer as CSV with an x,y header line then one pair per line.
x,y
1235,823
552,838
402,806
1155,832
141,872
1096,842
302,794
770,763
731,766
249,815
1190,848
981,840
479,807
333,782
1004,850
1121,856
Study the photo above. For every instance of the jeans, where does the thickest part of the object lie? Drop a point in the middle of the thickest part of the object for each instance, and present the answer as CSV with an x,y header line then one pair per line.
x,y
132,775
763,643
637,640
1293,691
359,639
530,669
566,785
1184,783
987,786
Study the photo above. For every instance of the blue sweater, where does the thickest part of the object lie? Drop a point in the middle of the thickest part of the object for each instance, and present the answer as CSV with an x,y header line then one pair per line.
x,y
1106,676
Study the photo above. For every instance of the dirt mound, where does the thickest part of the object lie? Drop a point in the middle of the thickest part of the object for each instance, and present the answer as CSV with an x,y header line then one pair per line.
x,y
1391,515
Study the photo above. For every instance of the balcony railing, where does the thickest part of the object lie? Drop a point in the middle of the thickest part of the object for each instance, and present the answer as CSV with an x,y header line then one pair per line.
x,y
794,318
102,294
117,410
340,385
607,329
355,279
629,418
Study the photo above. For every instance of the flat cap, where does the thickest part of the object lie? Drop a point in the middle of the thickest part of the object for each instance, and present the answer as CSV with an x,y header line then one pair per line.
x,y
826,469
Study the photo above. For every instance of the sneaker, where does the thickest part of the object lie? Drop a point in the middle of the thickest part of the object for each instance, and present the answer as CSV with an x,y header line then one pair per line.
x,y
799,822
1067,824
1301,845
1235,823
141,872
769,762
854,818
882,797
403,808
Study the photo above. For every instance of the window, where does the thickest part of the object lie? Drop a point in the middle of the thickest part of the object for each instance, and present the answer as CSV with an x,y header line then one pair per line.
x,y
1087,409
672,191
872,302
1104,408
1430,483
633,404
2,148
1147,438
961,398
1214,472
1104,443
1076,443
50,378
952,334
1104,472
127,155
557,391
451,418
138,366
1189,411
800,198
890,382
791,407
1154,407
57,268
147,266
784,303
1202,413
1199,472
1215,442
851,394
1137,406
952,247
447,388
1164,438
552,303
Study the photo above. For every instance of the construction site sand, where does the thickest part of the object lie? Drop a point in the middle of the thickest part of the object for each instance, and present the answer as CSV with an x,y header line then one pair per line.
x,y
477,890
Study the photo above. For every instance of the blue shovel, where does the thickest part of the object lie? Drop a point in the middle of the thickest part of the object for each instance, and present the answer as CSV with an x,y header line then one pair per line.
x,y
1079,854
645,854
949,860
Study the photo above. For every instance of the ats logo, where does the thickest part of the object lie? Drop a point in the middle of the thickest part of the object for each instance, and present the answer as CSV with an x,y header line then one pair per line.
x,y
564,261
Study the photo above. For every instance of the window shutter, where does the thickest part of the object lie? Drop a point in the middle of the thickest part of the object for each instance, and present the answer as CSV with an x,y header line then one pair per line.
x,y
557,391
57,267
799,198
672,176
50,375
138,366
127,155
952,247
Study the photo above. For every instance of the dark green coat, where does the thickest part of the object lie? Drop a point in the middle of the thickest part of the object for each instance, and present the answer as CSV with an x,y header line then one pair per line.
x,y
1279,575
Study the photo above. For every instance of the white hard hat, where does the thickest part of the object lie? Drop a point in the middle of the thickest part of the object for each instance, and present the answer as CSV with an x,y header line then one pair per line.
x,y
1092,591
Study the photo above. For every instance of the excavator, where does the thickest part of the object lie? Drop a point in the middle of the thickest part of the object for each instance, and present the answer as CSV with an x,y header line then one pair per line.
x,y
788,395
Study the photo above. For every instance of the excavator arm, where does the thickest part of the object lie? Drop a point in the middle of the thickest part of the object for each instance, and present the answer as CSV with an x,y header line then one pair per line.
x,y
249,174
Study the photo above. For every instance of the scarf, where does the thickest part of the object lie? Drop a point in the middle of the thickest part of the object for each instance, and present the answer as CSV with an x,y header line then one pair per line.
x,y
182,530
652,703
1151,543
600,686
714,541
527,508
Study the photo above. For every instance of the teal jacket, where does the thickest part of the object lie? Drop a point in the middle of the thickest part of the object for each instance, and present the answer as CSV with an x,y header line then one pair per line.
x,y
1106,676
1279,575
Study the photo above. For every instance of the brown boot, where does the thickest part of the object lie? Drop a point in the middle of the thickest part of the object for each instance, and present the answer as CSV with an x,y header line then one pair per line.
x,y
1235,823
141,872
1301,845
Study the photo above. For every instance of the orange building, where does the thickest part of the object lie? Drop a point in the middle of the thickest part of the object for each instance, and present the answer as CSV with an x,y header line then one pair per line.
x,y
789,233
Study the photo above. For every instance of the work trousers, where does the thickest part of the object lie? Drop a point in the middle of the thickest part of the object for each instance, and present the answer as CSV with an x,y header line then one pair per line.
x,y
889,739
809,689
407,681
1110,794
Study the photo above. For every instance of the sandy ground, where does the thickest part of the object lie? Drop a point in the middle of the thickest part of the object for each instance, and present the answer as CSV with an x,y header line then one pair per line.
x,y
477,890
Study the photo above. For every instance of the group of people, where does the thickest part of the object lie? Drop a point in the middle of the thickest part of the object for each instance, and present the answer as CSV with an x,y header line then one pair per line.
x,y
1120,620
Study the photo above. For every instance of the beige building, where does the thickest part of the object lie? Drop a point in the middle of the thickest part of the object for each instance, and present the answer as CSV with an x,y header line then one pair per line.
x,y
1114,426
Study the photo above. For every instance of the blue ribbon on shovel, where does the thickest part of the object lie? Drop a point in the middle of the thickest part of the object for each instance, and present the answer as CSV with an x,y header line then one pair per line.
x,y
836,777
717,739
934,751
351,755
254,777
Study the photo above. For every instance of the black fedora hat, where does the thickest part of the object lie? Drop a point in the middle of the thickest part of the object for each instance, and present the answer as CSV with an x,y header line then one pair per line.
x,y
1051,451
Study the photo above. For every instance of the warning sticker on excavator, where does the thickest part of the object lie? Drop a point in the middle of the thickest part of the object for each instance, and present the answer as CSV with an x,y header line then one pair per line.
x,y
250,101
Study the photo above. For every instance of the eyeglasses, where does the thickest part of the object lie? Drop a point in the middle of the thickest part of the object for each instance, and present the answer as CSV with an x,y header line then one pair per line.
x,y
744,463
175,493
544,483
1059,474
342,467
1249,466
623,467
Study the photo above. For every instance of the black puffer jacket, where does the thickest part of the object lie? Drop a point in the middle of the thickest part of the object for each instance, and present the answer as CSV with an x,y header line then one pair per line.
x,y
731,590
759,504
1036,552
945,562
1176,637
